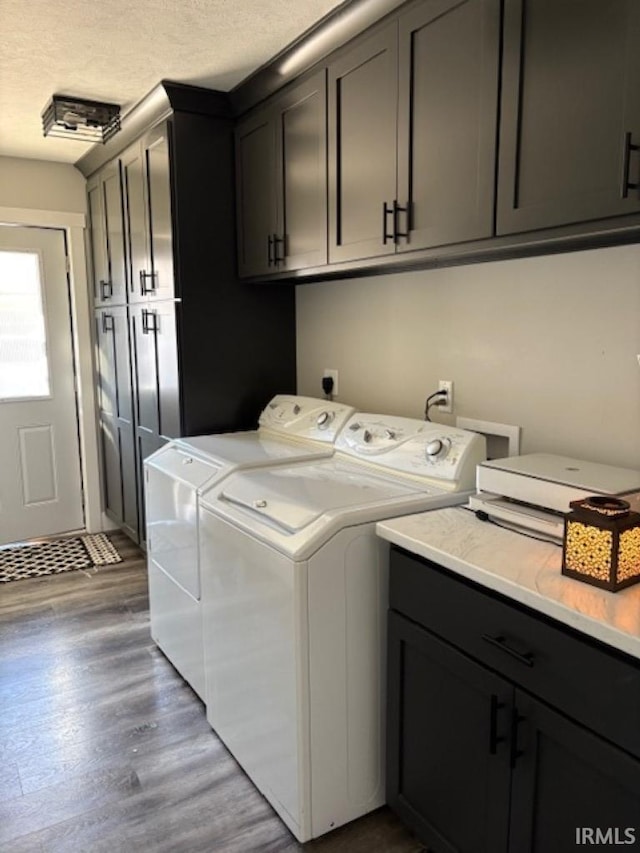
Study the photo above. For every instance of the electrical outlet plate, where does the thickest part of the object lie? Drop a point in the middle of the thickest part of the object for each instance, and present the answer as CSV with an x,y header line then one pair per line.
x,y
446,385
334,375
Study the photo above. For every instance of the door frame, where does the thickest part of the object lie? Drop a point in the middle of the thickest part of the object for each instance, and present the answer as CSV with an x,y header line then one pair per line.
x,y
74,227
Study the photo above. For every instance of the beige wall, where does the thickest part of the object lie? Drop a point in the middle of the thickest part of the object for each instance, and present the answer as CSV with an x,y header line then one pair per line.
x,y
547,343
37,185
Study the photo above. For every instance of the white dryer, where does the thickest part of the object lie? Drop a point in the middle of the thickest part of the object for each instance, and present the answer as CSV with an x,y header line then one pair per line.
x,y
294,605
290,428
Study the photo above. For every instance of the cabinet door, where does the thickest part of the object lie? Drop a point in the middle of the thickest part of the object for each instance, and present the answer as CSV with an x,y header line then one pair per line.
x,y
447,121
567,780
570,114
447,757
153,332
114,226
302,178
100,270
116,416
256,194
139,264
362,148
156,145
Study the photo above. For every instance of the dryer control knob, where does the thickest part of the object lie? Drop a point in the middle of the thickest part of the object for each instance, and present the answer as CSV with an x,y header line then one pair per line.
x,y
434,448
324,419
260,504
187,461
296,409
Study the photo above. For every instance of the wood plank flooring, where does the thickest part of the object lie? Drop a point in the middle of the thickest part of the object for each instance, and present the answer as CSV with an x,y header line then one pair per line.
x,y
103,746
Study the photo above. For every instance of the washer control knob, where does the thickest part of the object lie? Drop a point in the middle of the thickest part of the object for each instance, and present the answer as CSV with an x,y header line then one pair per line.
x,y
296,409
367,436
434,448
324,419
187,461
390,434
260,504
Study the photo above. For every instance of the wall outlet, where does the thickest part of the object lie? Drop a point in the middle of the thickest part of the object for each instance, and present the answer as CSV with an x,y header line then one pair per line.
x,y
334,375
447,404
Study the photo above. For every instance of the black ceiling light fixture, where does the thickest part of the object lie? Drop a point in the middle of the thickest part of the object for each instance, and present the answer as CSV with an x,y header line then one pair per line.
x,y
76,118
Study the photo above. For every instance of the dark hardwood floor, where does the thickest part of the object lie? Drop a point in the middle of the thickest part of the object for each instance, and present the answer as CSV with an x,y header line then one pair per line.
x,y
103,746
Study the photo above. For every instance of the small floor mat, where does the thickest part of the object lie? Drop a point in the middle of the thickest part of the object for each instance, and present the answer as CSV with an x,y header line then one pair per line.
x,y
56,556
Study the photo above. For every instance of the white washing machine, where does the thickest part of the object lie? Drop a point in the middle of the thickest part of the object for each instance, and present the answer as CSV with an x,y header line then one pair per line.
x,y
290,428
294,603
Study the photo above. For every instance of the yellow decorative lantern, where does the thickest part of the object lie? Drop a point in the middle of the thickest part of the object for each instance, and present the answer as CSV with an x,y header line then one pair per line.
x,y
602,543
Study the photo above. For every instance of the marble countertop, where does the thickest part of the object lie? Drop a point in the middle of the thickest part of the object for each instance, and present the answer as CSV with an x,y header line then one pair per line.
x,y
521,568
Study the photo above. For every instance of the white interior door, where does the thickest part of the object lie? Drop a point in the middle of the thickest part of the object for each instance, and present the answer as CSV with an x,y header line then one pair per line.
x,y
40,480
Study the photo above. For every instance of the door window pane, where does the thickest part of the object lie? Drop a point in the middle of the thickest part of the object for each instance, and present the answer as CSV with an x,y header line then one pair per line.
x,y
24,368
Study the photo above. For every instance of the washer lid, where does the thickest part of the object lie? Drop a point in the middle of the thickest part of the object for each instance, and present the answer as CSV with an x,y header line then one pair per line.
x,y
293,497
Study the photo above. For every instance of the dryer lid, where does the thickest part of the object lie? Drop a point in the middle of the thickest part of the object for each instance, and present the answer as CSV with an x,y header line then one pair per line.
x,y
293,497
251,448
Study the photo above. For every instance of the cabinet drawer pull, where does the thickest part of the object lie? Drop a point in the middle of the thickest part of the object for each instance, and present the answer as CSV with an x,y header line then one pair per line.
x,y
106,290
494,740
626,156
387,211
144,288
501,643
107,323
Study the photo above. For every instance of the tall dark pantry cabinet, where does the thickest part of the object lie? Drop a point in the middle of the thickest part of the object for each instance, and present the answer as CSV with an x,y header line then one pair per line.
x,y
183,346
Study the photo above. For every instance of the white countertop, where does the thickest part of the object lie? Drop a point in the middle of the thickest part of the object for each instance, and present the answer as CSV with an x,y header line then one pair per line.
x,y
521,568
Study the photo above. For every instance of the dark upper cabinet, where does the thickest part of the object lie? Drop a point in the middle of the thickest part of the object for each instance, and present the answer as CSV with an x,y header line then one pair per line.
x,y
447,119
362,148
148,217
107,236
205,351
412,132
570,125
282,182
256,193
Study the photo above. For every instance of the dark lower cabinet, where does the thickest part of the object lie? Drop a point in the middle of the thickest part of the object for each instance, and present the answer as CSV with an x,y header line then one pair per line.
x,y
475,762
116,417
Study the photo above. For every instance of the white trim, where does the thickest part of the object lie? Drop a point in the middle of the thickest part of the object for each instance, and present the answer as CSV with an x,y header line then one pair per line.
x,y
74,226
41,218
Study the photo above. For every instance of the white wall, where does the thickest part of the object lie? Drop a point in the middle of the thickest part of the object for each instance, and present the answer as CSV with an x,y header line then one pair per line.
x,y
548,343
37,185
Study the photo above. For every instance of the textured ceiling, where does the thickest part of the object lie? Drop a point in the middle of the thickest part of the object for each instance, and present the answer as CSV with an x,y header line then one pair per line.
x,y
118,50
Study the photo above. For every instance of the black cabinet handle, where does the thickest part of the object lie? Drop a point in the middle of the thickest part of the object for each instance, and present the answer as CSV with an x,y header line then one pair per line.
x,y
628,147
106,290
107,323
501,643
277,258
515,753
270,260
149,321
494,739
387,211
397,208
144,289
